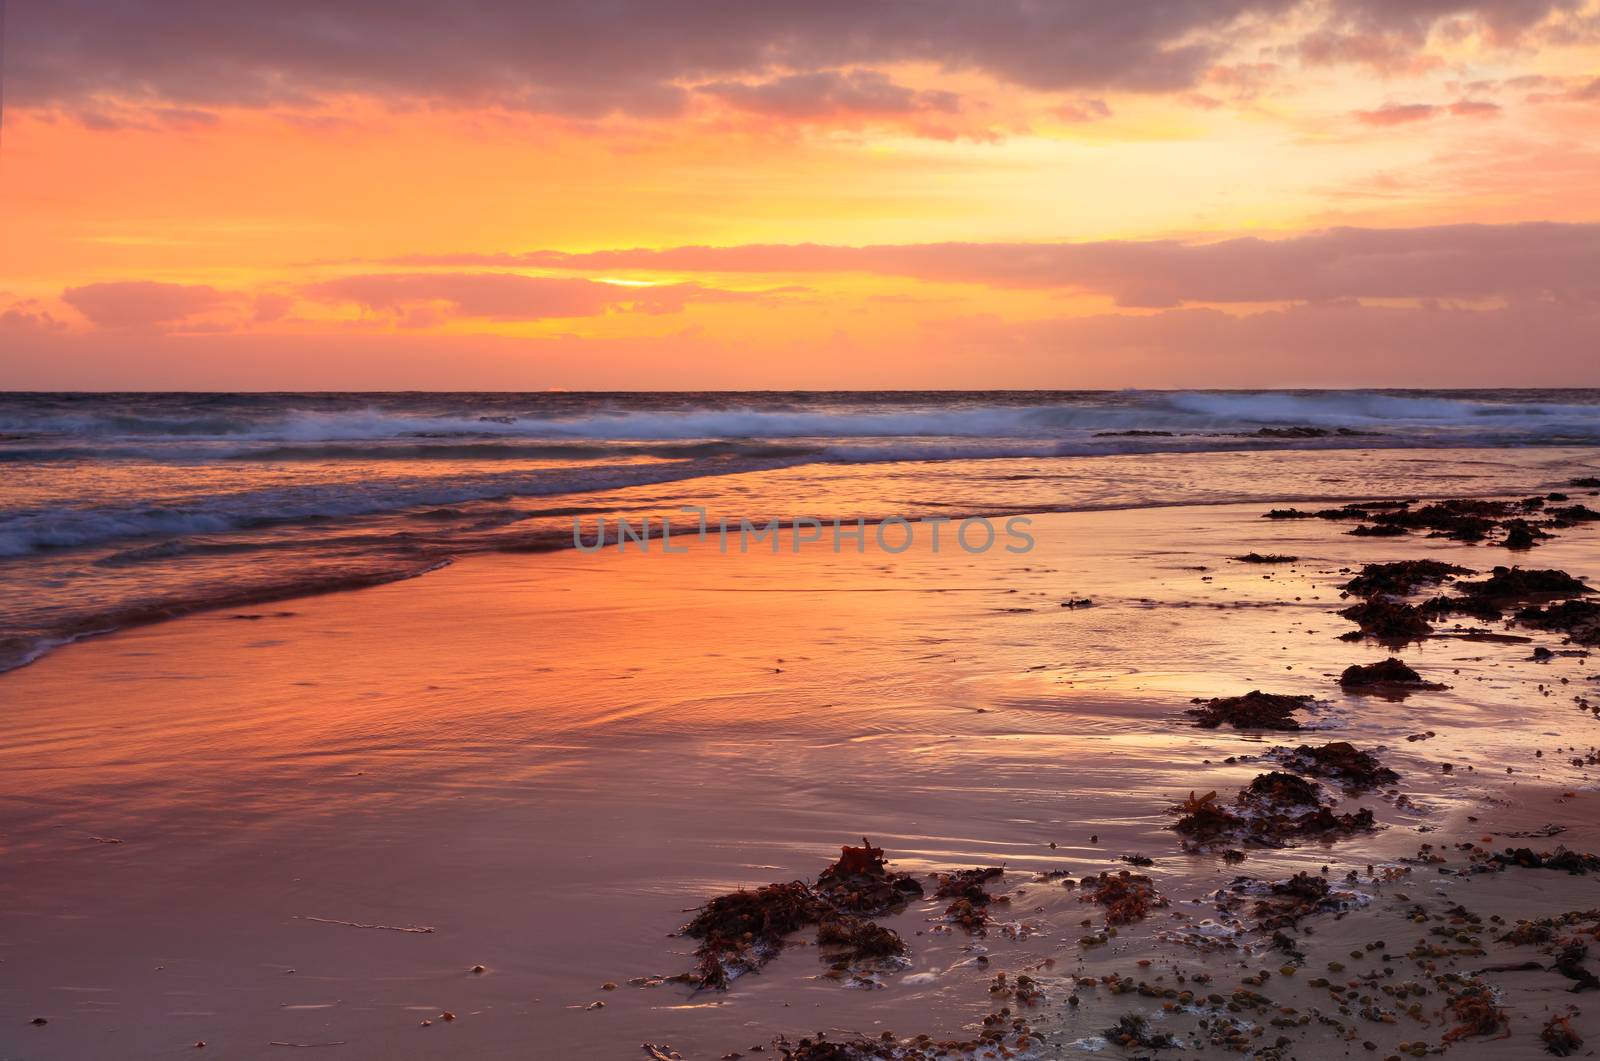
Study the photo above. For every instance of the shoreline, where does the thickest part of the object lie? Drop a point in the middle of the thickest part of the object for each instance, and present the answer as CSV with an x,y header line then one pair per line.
x,y
508,745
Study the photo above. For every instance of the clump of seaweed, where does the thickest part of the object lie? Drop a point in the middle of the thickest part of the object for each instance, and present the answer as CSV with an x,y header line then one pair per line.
x,y
1339,761
1475,1012
1520,534
1205,820
1559,1037
861,883
1579,619
1278,789
1574,862
1272,810
1264,558
1387,672
971,916
1465,520
845,940
1132,1030
1475,607
1517,583
1389,621
966,884
1402,577
1253,710
743,930
1127,897
1566,517
1378,531
1287,901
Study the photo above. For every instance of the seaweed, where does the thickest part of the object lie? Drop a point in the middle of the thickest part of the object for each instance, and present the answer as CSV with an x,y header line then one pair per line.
x,y
1517,583
854,939
1382,530
1560,1038
742,930
1389,671
1579,619
1520,534
1342,762
1388,621
1268,814
966,884
1574,862
1133,1030
1566,517
1264,558
973,917
1287,901
1476,1014
1127,897
860,882
1476,607
1253,710
1278,789
1402,576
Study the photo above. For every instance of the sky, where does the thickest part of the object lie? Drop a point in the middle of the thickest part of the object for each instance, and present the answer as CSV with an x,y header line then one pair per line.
x,y
708,194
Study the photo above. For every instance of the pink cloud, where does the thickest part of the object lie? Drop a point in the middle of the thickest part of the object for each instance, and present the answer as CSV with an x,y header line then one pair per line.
x,y
143,303
1397,114
424,299
1445,261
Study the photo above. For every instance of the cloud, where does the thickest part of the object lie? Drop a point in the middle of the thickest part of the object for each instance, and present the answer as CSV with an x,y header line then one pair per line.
x,y
637,56
1572,90
829,94
27,316
1083,110
1392,35
425,299
1406,113
1534,259
143,303
1326,345
1475,108
1397,114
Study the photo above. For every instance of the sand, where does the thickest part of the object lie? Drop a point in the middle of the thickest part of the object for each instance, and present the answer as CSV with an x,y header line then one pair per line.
x,y
548,760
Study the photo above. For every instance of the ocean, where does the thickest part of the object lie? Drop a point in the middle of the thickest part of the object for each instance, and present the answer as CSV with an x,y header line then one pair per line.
x,y
117,509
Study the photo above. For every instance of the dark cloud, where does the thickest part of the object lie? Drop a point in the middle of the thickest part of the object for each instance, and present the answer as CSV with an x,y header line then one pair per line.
x,y
831,93
636,56
1390,35
1534,259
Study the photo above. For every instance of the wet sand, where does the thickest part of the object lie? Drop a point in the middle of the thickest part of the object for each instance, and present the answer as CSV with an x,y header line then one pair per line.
x,y
548,760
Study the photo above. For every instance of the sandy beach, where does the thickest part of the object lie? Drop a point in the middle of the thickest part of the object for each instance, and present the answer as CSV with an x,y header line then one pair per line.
x,y
311,823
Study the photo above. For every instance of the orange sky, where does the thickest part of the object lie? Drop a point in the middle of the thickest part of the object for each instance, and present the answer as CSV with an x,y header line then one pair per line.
x,y
696,195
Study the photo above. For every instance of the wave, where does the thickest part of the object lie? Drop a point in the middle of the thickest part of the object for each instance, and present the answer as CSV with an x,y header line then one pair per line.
x,y
32,531
603,419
